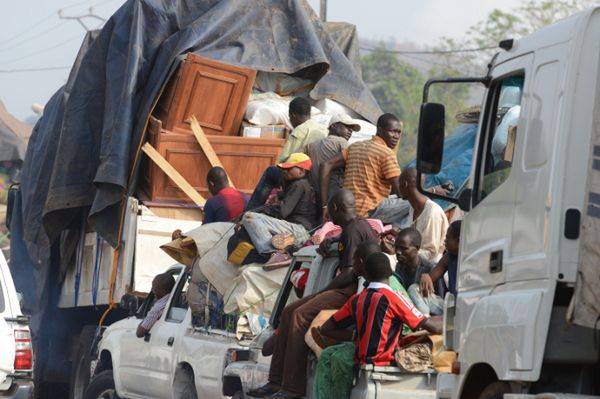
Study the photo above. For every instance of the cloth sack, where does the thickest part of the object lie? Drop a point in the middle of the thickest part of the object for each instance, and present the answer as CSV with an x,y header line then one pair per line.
x,y
414,354
253,289
420,351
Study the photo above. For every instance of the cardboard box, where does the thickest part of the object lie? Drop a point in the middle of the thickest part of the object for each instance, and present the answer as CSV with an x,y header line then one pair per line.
x,y
263,132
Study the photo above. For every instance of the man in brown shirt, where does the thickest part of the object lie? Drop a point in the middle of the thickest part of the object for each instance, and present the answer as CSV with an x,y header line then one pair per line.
x,y
341,128
371,167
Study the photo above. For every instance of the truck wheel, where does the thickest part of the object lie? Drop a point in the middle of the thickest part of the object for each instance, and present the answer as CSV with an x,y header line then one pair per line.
x,y
80,368
102,386
184,386
495,390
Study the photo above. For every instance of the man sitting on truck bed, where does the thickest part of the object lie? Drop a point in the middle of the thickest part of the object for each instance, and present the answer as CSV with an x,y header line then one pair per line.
x,y
226,203
371,167
161,287
424,215
295,212
411,266
305,131
287,374
378,314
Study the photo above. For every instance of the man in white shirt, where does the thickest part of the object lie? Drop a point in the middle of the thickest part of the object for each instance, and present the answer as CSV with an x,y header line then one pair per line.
x,y
424,215
161,287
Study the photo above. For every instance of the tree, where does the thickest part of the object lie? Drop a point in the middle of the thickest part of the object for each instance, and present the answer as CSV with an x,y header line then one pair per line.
x,y
499,25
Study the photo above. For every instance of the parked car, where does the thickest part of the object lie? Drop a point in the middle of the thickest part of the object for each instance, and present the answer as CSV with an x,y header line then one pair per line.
x,y
16,354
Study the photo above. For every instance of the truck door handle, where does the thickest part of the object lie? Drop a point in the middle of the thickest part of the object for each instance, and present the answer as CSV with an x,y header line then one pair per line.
x,y
170,341
496,261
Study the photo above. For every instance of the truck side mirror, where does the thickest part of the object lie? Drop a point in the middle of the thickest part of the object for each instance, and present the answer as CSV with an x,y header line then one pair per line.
x,y
464,199
430,148
12,198
130,303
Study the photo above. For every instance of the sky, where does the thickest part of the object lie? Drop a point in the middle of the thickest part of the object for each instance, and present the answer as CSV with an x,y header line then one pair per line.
x,y
33,36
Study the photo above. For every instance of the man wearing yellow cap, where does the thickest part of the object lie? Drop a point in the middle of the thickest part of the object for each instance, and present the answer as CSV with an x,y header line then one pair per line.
x,y
294,211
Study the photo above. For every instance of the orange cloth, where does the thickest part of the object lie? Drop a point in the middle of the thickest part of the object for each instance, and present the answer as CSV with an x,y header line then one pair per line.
x,y
370,165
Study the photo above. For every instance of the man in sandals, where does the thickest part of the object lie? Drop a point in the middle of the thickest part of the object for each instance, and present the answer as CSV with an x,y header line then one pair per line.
x,y
287,375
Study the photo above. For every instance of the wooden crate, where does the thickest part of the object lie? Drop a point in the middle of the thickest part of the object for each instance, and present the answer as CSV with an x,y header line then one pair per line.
x,y
215,92
245,159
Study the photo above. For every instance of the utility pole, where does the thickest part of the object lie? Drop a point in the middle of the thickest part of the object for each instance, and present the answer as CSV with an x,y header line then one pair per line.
x,y
81,18
324,10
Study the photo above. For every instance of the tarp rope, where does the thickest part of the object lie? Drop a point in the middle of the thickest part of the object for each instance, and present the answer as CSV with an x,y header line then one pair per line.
x,y
96,273
115,264
79,259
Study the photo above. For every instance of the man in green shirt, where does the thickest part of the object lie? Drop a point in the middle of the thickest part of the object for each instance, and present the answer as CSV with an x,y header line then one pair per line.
x,y
305,131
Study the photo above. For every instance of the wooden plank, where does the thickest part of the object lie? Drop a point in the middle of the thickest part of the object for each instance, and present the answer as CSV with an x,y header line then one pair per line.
x,y
207,147
173,174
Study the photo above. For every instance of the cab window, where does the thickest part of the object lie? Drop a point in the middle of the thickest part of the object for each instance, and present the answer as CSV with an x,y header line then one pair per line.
x,y
502,129
179,304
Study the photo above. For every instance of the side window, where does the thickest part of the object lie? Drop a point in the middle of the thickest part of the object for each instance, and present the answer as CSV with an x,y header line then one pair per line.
x,y
503,124
179,304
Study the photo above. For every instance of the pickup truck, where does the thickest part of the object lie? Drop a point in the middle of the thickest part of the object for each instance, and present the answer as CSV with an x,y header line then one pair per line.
x,y
16,355
175,359
371,382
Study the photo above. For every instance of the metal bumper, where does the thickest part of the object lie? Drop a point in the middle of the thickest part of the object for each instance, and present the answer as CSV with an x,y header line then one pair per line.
x,y
20,389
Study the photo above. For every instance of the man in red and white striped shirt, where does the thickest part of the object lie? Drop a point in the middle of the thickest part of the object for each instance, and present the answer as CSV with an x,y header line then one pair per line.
x,y
378,313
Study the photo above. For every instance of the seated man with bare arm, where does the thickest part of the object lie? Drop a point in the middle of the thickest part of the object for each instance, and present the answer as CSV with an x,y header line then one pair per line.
x,y
161,287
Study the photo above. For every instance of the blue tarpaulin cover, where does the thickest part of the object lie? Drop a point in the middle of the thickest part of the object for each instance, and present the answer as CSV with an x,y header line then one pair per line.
x,y
82,152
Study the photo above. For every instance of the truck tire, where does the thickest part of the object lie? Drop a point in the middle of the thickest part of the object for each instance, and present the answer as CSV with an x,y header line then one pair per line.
x,y
80,367
102,386
184,386
495,390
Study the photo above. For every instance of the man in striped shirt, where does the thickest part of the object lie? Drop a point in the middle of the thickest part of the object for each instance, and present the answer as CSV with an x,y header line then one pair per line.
x,y
371,167
378,314
161,287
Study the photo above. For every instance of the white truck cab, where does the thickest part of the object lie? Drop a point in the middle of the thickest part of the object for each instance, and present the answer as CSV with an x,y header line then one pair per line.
x,y
522,321
175,359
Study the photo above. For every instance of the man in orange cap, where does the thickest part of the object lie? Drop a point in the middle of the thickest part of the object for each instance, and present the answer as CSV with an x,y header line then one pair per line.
x,y
294,211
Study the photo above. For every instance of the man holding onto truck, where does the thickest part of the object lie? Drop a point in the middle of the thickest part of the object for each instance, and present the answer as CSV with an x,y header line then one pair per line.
x,y
305,131
287,374
371,167
161,288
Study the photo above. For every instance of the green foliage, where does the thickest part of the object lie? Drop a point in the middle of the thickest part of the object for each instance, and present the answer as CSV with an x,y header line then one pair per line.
x,y
398,88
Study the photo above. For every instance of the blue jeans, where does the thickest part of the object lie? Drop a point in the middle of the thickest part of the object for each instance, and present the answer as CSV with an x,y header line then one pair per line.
x,y
431,305
261,228
270,179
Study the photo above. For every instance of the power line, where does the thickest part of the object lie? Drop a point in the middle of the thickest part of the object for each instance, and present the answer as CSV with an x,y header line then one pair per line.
x,y
54,68
45,50
47,17
453,51
17,44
